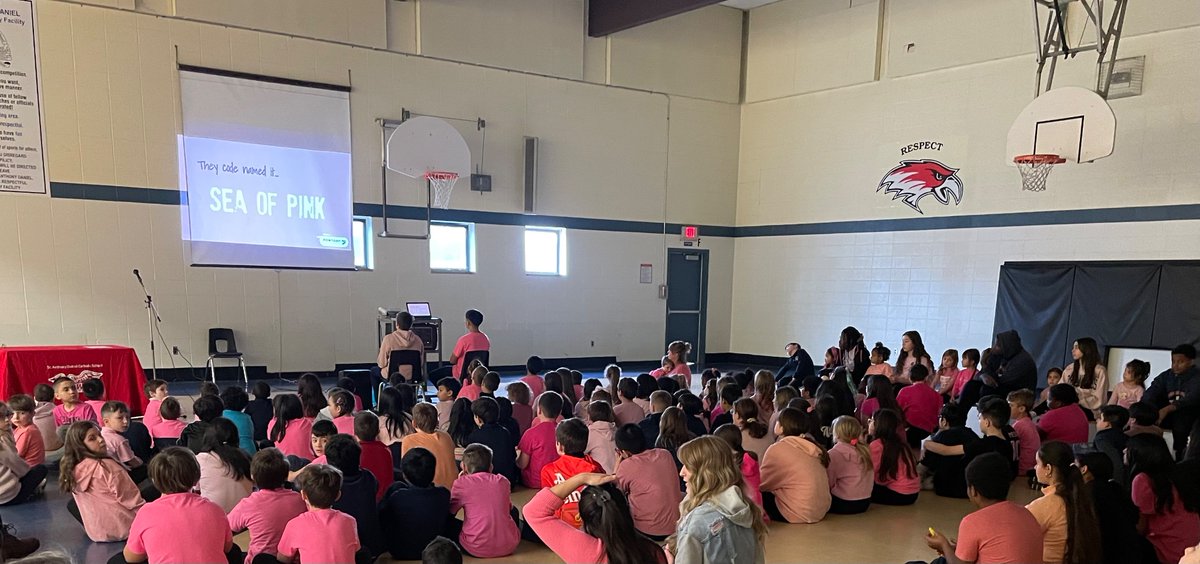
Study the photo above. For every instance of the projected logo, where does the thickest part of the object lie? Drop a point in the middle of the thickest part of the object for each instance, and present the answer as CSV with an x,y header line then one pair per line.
x,y
333,241
913,180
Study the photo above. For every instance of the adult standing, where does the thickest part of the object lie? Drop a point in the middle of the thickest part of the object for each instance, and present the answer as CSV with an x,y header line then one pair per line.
x,y
678,351
1088,376
912,351
1176,395
799,364
853,353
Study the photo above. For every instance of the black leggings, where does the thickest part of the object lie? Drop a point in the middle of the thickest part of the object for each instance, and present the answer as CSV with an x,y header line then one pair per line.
x,y
234,556
29,484
885,496
772,507
839,506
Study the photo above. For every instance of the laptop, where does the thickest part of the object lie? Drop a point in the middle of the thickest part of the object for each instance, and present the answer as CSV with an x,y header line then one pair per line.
x,y
418,309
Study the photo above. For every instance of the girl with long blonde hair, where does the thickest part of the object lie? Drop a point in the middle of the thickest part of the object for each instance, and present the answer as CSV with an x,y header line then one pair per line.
x,y
851,472
718,522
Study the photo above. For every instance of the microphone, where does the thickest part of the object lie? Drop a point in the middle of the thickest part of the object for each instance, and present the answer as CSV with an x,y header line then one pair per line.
x,y
139,276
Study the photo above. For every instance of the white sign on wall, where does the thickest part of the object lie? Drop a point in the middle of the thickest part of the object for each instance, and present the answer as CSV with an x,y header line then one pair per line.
x,y
22,154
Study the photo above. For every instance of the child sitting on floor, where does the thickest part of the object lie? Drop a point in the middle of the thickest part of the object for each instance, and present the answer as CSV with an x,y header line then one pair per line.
x,y
414,510
533,376
169,426
1020,403
375,455
600,445
1132,386
103,497
357,498
1143,419
19,481
116,421
521,397
747,463
896,479
795,482
993,418
93,393
503,459
1110,436
235,400
224,468
341,410
438,443
30,445
260,410
71,408
850,471
537,447
570,441
1065,421
647,478
879,362
155,534
156,392
43,416
206,408
267,511
488,529
628,411
447,392
321,534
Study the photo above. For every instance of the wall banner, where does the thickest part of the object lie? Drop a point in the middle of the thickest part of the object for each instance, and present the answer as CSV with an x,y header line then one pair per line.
x,y
22,148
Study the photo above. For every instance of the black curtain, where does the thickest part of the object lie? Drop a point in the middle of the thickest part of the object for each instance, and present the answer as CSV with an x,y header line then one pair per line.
x,y
1035,300
1177,317
1113,304
1131,304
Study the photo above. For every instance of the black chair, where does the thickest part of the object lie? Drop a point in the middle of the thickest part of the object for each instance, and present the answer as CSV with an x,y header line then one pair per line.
x,y
470,356
362,384
221,344
415,359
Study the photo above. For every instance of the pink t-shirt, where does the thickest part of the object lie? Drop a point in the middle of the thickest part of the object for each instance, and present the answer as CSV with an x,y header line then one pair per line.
x,y
217,483
265,513
569,543
524,416
881,369
168,429
904,482
715,413
1030,442
344,424
538,442
651,484
536,384
470,391
488,529
1169,532
752,474
297,438
1125,394
1001,532
118,447
921,405
472,341
107,498
868,408
97,405
965,375
153,416
682,369
320,535
30,445
628,412
848,479
157,530
82,412
1067,424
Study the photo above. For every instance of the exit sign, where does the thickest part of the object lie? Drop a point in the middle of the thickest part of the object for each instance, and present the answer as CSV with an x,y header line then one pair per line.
x,y
690,234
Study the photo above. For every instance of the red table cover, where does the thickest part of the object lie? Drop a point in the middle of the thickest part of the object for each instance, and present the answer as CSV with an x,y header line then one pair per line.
x,y
22,368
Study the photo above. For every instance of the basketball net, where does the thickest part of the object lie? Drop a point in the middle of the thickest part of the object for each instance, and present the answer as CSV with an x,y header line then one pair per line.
x,y
1035,169
442,184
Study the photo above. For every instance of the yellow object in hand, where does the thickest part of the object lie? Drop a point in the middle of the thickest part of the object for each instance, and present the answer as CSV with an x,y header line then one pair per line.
x,y
932,533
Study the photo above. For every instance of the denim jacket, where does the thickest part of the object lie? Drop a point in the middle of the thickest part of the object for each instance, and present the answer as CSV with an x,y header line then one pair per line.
x,y
719,531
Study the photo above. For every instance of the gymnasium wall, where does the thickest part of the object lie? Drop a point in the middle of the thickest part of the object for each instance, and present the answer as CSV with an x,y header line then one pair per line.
x,y
631,143
835,89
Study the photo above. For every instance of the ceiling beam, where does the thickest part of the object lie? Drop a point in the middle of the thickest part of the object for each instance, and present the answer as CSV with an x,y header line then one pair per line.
x,y
606,17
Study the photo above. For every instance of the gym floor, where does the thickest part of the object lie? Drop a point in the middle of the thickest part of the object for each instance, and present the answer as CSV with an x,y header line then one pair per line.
x,y
882,534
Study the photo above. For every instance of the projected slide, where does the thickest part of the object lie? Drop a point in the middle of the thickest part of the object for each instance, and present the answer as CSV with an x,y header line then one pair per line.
x,y
267,171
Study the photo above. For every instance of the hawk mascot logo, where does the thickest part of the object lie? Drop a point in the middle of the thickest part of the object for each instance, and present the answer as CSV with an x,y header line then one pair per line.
x,y
913,180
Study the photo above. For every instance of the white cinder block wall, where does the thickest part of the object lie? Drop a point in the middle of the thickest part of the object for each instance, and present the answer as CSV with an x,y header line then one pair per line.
x,y
610,150
824,120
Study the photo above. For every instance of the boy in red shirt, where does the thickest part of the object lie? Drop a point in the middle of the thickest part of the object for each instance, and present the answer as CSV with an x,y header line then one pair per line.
x,y
375,455
571,438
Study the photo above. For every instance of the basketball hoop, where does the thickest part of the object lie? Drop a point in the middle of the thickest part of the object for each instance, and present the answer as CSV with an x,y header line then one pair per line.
x,y
1035,168
442,184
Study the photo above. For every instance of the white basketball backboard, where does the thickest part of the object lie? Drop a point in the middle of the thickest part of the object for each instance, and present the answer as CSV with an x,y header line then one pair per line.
x,y
1071,122
425,144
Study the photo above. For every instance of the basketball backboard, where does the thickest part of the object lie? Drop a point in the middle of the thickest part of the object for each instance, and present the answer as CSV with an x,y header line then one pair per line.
x,y
1071,122
425,144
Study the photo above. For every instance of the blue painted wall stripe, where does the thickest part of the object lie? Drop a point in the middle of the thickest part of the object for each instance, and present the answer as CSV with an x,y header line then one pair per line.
x,y
1021,219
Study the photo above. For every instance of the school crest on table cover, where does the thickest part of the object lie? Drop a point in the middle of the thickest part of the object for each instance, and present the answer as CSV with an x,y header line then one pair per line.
x,y
912,180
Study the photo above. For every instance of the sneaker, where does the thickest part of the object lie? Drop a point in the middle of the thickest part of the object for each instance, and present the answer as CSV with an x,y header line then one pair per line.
x,y
12,547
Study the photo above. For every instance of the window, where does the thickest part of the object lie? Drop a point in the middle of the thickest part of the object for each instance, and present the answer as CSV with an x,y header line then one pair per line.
x,y
452,247
363,243
545,251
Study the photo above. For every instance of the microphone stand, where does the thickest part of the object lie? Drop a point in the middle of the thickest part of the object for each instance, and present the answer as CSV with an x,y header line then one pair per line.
x,y
151,317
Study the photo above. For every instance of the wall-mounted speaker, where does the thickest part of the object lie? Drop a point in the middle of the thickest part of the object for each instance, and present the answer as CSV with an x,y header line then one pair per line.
x,y
531,172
